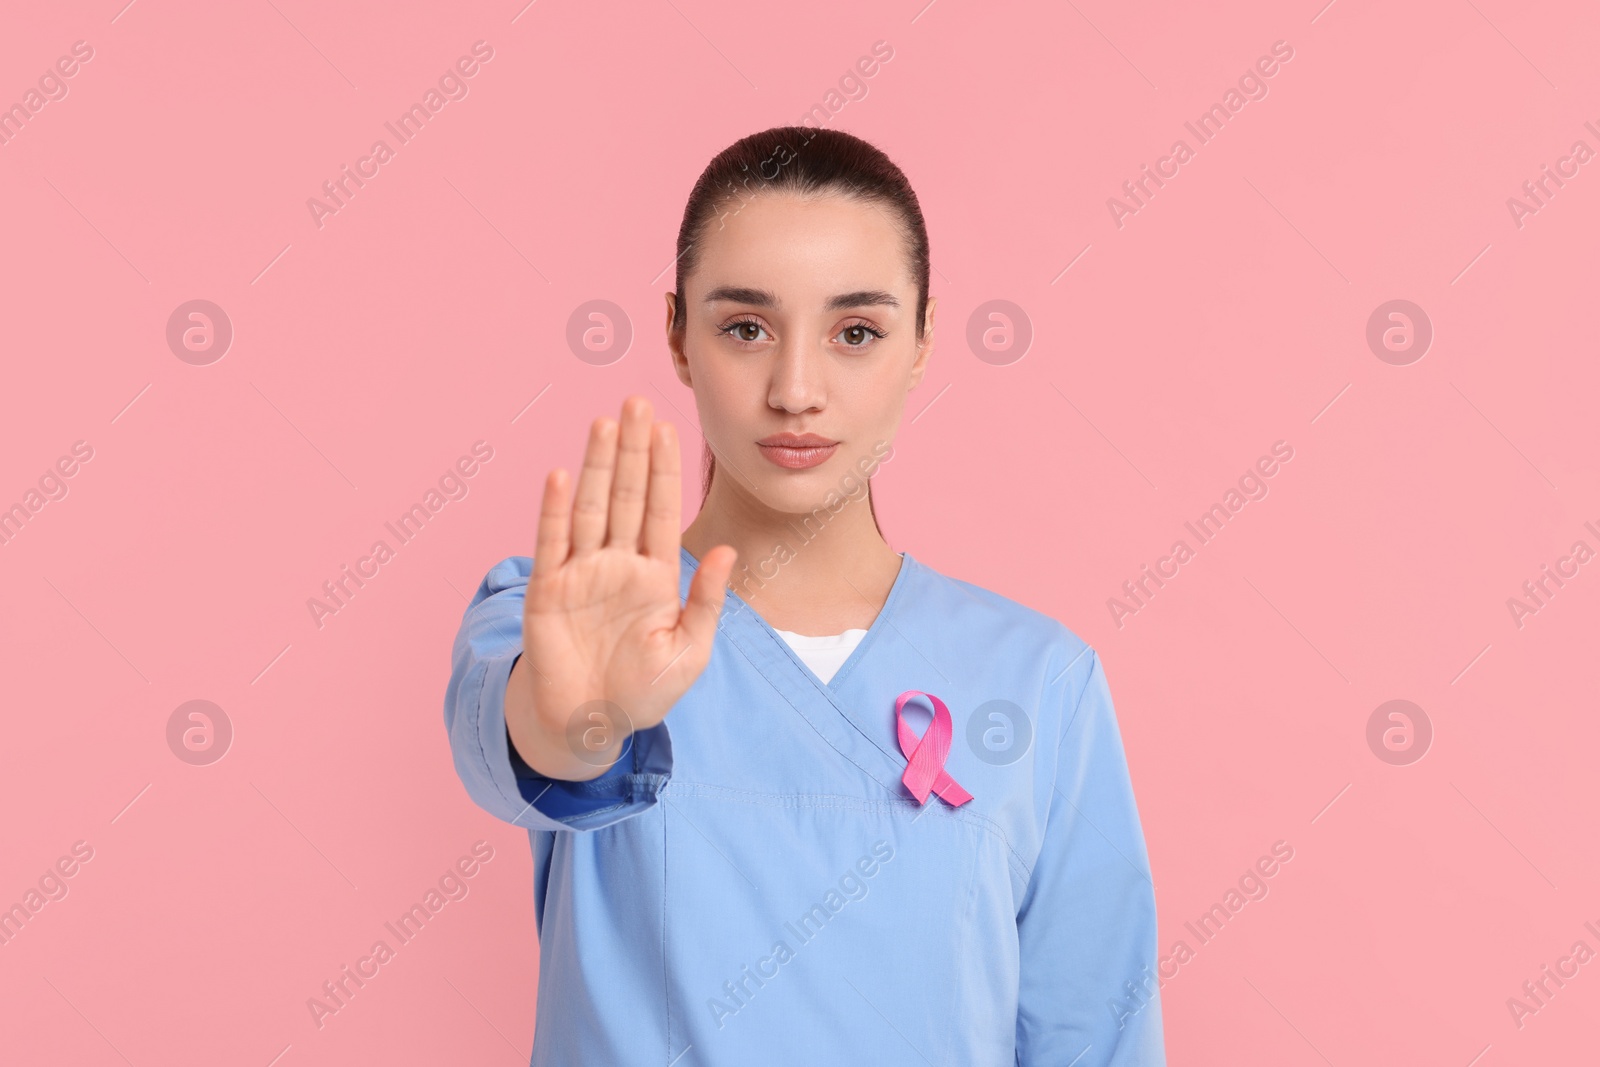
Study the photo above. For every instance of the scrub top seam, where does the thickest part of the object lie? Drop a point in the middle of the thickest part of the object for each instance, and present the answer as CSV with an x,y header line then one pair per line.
x,y
846,802
1094,661
666,977
568,820
965,935
477,708
1055,771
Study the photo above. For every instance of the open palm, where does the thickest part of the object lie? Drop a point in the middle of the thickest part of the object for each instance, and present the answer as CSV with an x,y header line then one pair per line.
x,y
606,647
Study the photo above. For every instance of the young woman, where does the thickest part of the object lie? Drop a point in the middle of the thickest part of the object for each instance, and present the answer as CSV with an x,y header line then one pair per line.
x,y
888,818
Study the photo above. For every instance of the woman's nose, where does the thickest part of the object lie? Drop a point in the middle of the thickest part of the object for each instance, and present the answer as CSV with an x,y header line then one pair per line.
x,y
799,373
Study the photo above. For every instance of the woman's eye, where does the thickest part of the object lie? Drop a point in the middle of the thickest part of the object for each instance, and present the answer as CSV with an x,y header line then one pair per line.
x,y
859,335
748,331
745,330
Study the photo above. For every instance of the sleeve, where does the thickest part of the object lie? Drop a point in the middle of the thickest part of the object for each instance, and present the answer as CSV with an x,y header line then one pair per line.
x,y
1088,992
497,779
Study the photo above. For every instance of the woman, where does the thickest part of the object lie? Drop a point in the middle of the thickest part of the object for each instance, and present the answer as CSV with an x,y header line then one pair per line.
x,y
889,818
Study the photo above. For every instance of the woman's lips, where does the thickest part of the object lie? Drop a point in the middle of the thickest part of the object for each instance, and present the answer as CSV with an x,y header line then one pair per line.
x,y
795,457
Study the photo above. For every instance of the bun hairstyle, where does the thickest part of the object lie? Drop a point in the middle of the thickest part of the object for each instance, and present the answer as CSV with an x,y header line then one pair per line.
x,y
805,161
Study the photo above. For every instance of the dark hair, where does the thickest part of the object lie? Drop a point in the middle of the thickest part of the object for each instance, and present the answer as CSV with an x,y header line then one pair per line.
x,y
798,159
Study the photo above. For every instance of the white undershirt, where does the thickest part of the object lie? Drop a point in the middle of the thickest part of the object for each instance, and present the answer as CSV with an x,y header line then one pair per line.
x,y
824,655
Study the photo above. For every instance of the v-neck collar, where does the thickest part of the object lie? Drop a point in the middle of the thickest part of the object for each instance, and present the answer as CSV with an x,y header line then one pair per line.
x,y
739,604
821,704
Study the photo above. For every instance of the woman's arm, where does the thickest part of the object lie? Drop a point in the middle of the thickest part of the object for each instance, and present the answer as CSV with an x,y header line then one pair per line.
x,y
497,778
567,663
1087,926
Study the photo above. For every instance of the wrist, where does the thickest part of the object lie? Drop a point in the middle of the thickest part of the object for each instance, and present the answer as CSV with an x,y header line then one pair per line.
x,y
573,750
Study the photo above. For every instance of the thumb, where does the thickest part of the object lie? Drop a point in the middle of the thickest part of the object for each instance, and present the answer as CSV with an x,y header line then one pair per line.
x,y
708,589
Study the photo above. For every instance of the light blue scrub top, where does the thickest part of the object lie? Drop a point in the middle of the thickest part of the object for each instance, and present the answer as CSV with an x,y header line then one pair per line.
x,y
752,883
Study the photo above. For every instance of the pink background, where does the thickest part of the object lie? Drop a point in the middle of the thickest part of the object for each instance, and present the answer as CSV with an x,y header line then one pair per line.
x,y
368,354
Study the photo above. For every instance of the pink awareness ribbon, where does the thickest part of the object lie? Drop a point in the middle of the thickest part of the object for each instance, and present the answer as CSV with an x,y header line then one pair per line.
x,y
925,756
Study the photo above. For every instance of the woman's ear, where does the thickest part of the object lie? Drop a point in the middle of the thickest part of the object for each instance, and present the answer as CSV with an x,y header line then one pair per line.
x,y
924,347
675,338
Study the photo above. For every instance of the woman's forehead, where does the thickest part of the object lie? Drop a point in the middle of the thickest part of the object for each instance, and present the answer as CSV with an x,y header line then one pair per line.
x,y
803,253
821,228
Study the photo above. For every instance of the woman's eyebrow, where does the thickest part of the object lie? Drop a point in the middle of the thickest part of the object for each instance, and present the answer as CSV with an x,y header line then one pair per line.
x,y
741,294
863,298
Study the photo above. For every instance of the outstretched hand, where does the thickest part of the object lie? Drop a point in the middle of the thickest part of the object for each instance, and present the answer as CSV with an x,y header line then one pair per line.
x,y
606,647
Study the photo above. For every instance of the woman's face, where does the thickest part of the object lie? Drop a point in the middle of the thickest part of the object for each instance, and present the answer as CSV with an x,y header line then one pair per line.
x,y
800,319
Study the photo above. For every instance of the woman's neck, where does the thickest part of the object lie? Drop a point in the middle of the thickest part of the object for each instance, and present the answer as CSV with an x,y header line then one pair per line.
x,y
812,573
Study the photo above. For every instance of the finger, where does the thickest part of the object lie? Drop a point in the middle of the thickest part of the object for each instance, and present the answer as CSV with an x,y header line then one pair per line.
x,y
663,532
707,591
555,515
594,487
633,466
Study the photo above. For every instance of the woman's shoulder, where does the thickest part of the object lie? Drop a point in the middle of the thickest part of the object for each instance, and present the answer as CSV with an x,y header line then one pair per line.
x,y
508,577
986,616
